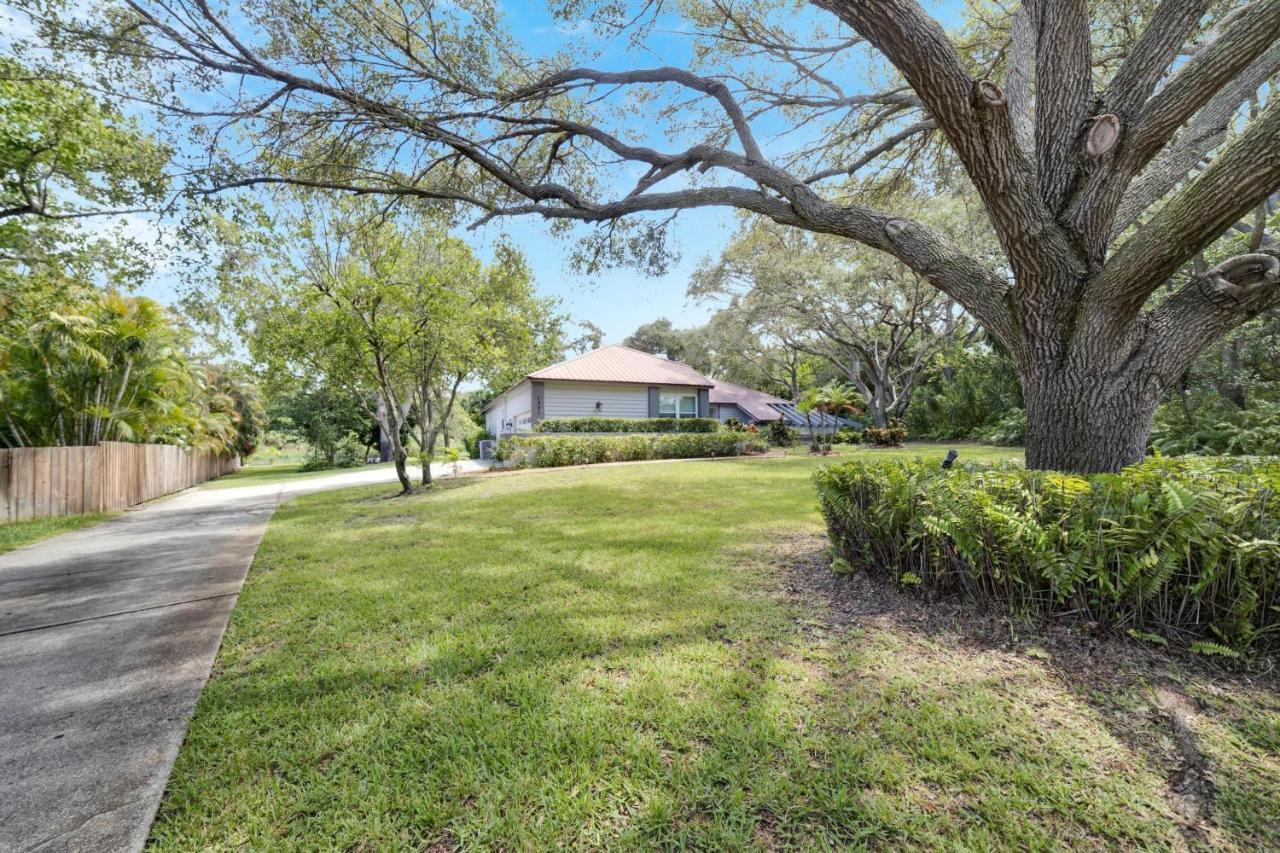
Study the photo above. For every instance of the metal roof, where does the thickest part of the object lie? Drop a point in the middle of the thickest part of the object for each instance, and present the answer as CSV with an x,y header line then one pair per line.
x,y
756,405
796,418
622,364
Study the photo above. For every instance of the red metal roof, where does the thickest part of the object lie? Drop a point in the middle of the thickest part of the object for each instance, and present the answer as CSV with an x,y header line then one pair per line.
x,y
622,364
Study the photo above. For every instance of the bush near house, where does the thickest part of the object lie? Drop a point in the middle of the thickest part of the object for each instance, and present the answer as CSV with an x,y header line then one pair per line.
x,y
894,435
628,425
783,435
551,451
1186,548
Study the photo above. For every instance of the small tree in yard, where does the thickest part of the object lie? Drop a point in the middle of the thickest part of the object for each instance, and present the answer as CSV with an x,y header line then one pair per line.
x,y
1105,140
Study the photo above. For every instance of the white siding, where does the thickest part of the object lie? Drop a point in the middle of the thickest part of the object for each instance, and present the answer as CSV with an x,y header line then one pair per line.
x,y
578,400
513,406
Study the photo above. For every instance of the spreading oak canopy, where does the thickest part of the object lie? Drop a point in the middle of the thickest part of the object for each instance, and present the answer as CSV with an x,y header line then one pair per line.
x,y
1110,143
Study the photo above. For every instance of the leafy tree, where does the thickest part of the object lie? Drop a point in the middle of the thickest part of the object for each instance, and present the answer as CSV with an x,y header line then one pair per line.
x,y
231,393
66,155
81,366
388,308
1110,144
873,319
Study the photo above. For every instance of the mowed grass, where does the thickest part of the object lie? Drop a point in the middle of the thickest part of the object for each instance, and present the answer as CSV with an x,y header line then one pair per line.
x,y
285,472
20,533
608,658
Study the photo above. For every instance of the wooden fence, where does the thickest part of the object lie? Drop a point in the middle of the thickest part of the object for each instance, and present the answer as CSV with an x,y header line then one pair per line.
x,y
36,482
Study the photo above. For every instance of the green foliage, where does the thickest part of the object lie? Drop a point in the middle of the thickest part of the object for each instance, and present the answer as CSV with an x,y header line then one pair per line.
x,y
894,435
968,392
1218,427
235,397
628,425
1187,546
554,451
846,435
348,452
1009,431
81,366
58,142
781,434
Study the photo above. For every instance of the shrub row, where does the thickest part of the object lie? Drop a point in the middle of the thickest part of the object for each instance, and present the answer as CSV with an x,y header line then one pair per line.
x,y
1185,547
628,425
550,451
894,435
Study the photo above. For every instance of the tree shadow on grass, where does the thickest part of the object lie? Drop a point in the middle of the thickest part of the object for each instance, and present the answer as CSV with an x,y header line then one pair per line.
x,y
1198,725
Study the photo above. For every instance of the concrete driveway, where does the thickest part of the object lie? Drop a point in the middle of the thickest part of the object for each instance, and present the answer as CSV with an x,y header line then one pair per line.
x,y
107,636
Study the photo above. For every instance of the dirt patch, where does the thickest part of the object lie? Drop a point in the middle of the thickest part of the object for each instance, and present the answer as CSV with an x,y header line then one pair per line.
x,y
1191,790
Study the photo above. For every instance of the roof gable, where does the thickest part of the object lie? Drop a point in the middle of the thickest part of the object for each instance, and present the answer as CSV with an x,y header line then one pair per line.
x,y
755,404
617,363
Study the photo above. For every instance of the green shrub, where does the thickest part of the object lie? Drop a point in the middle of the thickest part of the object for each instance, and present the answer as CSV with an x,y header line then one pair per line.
x,y
628,425
552,451
1009,431
733,425
781,434
847,435
348,452
1217,427
891,436
1178,546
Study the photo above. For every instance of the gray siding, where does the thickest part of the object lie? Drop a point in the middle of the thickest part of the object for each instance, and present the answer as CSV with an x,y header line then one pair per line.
x,y
579,399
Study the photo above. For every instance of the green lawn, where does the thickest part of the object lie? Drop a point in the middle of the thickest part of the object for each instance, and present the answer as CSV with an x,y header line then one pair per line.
x,y
615,657
21,533
269,475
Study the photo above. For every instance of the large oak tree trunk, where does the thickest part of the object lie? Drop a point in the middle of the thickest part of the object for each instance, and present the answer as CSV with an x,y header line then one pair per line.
x,y
1088,422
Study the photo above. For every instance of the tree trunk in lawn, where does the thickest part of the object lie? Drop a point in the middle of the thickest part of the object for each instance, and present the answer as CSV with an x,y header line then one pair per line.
x,y
1086,423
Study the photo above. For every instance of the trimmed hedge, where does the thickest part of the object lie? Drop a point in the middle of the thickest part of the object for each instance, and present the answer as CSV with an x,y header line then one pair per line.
x,y
627,425
552,451
1187,547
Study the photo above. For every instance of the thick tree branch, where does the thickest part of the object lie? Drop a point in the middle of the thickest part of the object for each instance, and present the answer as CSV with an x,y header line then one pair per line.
x,y
1064,94
1149,59
974,116
1245,174
1206,131
1024,37
1203,310
1247,37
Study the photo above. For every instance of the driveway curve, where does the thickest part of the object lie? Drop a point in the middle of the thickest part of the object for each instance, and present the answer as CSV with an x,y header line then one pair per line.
x,y
107,637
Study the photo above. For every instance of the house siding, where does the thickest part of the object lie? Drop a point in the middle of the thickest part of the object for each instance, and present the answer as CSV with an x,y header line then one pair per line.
x,y
578,400
515,406
723,411
617,400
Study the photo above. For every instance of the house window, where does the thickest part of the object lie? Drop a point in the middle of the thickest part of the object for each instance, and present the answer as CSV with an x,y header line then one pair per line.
x,y
678,405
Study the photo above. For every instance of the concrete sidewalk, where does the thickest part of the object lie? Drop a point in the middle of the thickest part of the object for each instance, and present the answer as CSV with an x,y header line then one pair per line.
x,y
107,637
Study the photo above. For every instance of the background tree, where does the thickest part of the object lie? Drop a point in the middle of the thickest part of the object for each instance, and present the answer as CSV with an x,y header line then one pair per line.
x,y
1104,167
873,319
79,366
386,306
66,155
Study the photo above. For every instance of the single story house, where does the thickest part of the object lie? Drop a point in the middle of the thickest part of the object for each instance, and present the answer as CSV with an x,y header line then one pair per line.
x,y
620,382
611,382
